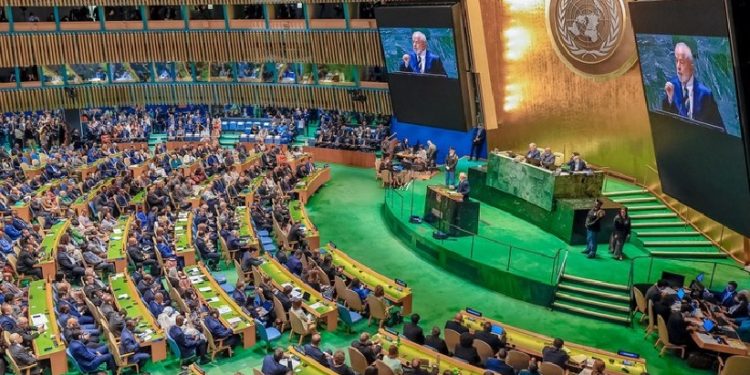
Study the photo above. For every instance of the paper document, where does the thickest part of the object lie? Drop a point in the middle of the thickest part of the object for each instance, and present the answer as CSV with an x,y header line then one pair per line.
x,y
223,309
205,289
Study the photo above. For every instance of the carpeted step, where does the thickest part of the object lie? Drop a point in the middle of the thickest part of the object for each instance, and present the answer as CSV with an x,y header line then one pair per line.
x,y
577,299
677,243
681,252
625,201
595,283
624,192
603,294
646,207
661,215
669,234
593,312
658,224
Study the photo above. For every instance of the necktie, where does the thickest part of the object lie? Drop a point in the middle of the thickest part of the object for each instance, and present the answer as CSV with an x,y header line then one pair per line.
x,y
419,63
686,95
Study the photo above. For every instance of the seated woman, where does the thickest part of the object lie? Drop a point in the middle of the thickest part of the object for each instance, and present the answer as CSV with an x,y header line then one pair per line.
x,y
357,287
465,350
308,322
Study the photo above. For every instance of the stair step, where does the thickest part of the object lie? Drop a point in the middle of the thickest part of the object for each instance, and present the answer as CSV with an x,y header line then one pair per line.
x,y
653,216
598,283
659,224
624,192
687,254
585,301
668,234
677,243
647,207
635,200
616,318
598,293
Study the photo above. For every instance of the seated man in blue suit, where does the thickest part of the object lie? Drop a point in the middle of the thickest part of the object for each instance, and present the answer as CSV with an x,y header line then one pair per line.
x,y
726,297
686,96
313,350
271,365
129,344
576,163
188,344
420,60
88,359
218,331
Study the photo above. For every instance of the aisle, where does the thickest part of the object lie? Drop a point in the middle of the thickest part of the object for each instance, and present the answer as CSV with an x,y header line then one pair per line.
x,y
348,211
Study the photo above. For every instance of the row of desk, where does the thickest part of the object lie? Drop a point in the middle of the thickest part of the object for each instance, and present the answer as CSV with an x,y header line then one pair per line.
x,y
48,248
118,241
48,346
22,208
346,157
307,186
299,215
81,205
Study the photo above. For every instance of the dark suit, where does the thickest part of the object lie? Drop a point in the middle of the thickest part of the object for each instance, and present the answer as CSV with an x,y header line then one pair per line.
x,y
316,353
491,339
271,367
554,355
677,329
436,343
704,104
477,142
414,333
452,324
368,350
577,167
88,359
188,345
468,354
499,366
464,189
432,64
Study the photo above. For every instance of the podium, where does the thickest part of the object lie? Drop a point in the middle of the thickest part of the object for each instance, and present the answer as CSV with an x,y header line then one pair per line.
x,y
448,212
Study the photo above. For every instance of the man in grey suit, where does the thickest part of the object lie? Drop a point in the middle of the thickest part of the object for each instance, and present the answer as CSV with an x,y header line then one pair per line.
x,y
21,354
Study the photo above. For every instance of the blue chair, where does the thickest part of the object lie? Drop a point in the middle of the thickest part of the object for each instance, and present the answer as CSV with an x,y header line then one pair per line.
x,y
270,248
266,334
228,288
348,317
220,279
262,233
266,241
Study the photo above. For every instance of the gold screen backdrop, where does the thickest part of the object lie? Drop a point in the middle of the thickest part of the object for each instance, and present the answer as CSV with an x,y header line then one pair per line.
x,y
540,99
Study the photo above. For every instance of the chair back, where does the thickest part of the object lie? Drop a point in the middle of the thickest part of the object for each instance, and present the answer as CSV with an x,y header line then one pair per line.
x,y
736,365
6,339
483,349
339,286
173,346
378,309
257,372
352,300
358,360
344,314
281,314
549,368
651,320
72,360
260,329
297,326
518,360
661,327
240,273
324,279
257,279
114,349
640,300
451,339
383,369
209,337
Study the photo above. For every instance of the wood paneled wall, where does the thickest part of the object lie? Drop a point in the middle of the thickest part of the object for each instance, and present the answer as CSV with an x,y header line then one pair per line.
x,y
329,47
378,101
49,3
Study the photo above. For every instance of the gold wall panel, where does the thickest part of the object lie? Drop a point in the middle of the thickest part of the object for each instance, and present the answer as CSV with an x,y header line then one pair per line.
x,y
545,102
378,101
48,3
363,47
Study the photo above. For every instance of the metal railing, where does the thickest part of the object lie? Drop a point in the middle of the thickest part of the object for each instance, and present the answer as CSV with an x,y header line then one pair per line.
x,y
541,265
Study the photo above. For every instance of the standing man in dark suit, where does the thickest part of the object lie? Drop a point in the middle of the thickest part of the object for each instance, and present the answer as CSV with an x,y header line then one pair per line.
x,y
486,335
593,226
463,186
686,96
477,142
413,331
621,233
420,60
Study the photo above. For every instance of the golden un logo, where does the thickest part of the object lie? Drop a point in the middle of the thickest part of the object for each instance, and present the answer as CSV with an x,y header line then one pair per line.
x,y
593,38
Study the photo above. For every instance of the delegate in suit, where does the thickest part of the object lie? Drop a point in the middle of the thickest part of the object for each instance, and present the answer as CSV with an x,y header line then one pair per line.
x,y
686,96
420,60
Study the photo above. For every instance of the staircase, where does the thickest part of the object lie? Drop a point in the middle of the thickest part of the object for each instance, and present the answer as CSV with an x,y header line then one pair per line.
x,y
593,298
656,228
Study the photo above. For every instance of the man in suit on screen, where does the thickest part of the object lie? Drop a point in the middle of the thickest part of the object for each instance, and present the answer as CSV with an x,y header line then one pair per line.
x,y
686,96
420,60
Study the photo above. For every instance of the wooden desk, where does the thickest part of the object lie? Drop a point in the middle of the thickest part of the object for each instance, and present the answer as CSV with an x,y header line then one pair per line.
x,y
211,294
85,170
47,346
116,252
308,365
351,268
183,236
731,345
48,249
251,161
323,310
129,300
81,205
138,170
347,157
532,344
450,212
139,201
22,208
408,350
189,169
299,215
33,172
310,184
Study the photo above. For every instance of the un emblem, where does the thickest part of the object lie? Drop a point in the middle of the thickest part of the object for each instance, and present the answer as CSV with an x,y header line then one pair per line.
x,y
592,37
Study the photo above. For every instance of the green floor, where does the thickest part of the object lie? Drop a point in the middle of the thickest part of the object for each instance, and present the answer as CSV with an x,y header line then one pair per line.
x,y
347,211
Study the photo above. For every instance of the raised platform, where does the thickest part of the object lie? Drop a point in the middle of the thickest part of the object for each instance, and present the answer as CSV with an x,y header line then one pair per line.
x,y
345,157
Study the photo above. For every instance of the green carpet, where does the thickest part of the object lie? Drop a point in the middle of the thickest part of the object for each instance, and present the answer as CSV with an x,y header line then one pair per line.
x,y
347,210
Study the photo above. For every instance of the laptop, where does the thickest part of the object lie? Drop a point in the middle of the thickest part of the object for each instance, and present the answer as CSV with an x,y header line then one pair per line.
x,y
497,330
681,293
700,277
306,296
708,325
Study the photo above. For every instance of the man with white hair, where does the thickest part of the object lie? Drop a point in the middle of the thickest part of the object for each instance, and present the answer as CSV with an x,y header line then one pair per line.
x,y
686,96
420,60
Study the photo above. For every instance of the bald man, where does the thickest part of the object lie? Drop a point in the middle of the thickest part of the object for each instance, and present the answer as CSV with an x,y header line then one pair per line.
x,y
313,350
22,355
686,96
